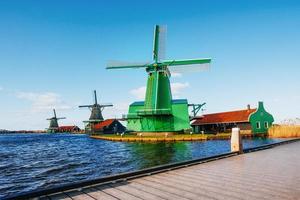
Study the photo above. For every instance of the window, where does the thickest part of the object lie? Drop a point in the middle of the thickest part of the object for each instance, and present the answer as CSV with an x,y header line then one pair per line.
x,y
258,125
266,125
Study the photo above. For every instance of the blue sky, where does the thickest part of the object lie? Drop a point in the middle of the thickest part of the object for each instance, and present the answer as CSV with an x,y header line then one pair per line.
x,y
53,54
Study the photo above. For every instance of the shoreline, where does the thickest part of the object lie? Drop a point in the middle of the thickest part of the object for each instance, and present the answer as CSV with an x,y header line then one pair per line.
x,y
175,138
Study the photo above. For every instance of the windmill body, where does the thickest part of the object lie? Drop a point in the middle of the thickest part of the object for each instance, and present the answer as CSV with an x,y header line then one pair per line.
x,y
53,127
159,112
53,124
96,113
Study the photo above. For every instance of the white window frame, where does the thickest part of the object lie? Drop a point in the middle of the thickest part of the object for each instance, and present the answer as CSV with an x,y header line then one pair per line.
x,y
257,125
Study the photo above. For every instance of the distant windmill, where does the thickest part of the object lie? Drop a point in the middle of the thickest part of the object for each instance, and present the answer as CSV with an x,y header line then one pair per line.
x,y
96,111
54,123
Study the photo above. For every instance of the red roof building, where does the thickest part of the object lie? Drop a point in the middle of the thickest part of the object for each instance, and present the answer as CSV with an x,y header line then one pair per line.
x,y
224,117
103,124
223,121
108,126
63,129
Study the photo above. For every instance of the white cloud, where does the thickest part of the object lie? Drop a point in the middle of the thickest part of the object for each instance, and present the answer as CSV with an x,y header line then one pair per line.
x,y
139,93
117,111
176,88
43,101
176,75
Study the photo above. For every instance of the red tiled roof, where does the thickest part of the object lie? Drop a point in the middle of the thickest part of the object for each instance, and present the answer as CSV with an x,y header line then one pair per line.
x,y
101,125
224,117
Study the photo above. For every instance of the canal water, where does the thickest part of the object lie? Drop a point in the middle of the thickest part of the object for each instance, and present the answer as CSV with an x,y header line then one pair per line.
x,y
35,161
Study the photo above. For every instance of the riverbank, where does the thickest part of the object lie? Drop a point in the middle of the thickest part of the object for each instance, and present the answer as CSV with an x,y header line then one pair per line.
x,y
171,138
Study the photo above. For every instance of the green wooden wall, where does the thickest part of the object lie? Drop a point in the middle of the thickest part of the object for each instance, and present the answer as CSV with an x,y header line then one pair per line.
x,y
178,121
260,120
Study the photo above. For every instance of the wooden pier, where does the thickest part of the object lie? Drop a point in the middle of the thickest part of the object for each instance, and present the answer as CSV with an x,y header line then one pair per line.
x,y
265,174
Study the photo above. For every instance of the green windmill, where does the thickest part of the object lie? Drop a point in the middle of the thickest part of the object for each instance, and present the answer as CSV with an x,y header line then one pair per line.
x,y
53,127
159,112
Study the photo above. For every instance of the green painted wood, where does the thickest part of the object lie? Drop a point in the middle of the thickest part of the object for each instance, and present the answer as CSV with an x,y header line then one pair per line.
x,y
178,121
261,120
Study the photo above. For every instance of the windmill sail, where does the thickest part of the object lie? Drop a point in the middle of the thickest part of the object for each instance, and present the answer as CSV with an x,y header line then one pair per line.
x,y
190,65
159,43
95,96
125,65
54,113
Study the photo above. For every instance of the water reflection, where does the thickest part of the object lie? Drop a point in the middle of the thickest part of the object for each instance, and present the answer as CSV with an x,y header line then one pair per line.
x,y
152,154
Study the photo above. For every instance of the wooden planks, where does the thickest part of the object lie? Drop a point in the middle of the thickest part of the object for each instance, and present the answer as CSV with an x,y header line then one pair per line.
x,y
79,195
268,174
60,196
98,194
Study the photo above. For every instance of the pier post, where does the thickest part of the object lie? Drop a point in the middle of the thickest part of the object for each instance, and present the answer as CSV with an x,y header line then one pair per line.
x,y
236,140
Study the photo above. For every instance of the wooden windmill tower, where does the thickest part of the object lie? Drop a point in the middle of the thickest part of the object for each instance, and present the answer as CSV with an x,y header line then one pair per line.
x,y
53,127
96,113
159,112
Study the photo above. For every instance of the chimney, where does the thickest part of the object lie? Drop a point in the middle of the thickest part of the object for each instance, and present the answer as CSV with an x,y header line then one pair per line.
x,y
248,107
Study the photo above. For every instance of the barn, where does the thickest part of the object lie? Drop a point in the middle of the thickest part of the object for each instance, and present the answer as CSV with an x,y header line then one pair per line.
x,y
256,121
109,126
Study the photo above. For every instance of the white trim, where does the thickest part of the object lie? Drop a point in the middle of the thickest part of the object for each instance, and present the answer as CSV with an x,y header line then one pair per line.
x,y
266,124
156,92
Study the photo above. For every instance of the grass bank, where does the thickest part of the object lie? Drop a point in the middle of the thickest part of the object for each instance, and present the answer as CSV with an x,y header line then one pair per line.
x,y
284,131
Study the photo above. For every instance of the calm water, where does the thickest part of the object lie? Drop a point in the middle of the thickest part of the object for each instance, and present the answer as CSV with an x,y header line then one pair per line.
x,y
30,161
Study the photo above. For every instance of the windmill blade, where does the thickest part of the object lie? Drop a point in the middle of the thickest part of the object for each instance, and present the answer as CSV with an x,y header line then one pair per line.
x,y
85,106
126,65
187,62
95,96
188,68
106,105
192,65
54,113
159,43
61,118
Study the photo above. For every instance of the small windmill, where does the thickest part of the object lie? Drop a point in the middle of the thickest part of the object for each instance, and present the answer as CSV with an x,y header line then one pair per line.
x,y
159,112
53,127
96,112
